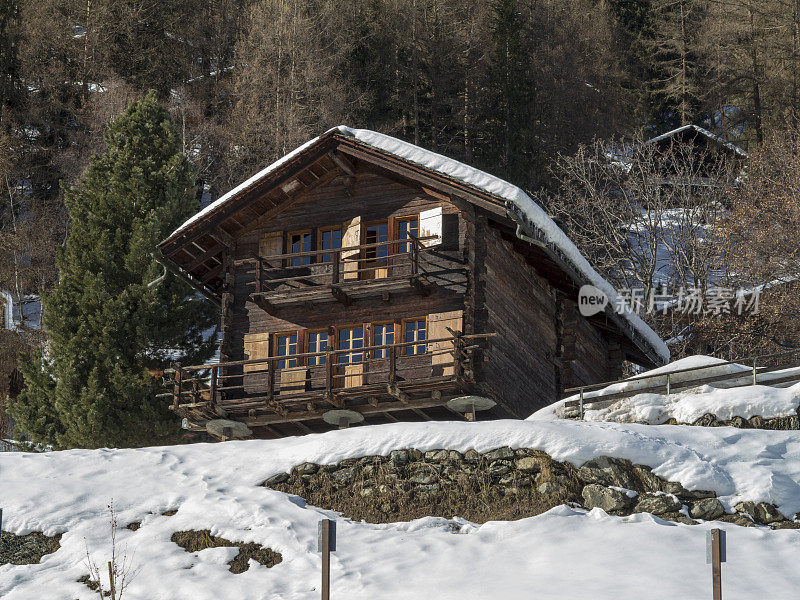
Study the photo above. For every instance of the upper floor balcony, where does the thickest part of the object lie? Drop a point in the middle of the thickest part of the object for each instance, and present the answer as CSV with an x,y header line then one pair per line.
x,y
342,274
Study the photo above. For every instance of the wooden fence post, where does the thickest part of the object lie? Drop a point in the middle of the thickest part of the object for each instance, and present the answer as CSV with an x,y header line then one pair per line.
x,y
392,365
213,386
335,258
177,388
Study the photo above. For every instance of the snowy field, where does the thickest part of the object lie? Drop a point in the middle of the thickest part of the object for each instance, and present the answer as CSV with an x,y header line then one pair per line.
x,y
565,553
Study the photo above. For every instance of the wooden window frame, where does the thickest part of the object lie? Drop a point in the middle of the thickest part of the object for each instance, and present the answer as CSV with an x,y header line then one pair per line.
x,y
350,350
387,324
276,347
321,252
307,348
300,232
422,343
396,231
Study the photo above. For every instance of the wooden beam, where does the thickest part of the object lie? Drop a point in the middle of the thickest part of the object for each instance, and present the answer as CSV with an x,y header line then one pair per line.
x,y
341,295
208,254
292,199
366,409
341,162
396,392
214,272
223,237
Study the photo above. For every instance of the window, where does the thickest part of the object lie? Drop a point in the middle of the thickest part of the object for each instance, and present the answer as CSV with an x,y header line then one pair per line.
x,y
376,233
351,338
286,345
382,335
329,239
300,241
407,228
415,332
317,342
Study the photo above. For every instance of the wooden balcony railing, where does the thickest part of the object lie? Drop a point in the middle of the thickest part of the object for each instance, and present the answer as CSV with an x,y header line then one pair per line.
x,y
381,263
280,382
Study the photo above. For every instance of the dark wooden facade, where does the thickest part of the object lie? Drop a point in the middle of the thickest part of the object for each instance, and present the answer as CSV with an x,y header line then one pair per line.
x,y
310,327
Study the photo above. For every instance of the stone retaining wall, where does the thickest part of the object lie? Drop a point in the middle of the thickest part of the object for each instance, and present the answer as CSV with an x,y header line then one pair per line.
x,y
503,484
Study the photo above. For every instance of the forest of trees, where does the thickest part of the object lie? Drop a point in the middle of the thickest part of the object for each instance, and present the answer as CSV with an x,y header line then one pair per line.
x,y
520,88
505,85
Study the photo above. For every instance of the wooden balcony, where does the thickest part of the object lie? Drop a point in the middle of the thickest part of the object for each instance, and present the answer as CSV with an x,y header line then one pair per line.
x,y
301,388
342,274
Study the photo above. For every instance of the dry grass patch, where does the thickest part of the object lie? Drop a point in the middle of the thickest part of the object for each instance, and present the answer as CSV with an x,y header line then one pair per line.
x,y
26,549
194,541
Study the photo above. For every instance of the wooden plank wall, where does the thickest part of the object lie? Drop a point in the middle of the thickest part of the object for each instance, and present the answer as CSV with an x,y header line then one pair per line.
x,y
372,197
520,307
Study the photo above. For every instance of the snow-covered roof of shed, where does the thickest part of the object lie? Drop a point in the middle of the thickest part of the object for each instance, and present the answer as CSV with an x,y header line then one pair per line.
x,y
705,132
550,233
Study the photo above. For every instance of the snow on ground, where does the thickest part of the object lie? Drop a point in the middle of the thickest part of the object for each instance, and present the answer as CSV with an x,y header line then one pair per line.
x,y
563,554
722,398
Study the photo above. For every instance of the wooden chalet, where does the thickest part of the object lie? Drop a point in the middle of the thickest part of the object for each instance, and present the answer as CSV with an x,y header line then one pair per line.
x,y
364,279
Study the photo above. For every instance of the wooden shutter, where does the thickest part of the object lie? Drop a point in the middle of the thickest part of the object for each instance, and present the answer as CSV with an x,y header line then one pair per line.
x,y
430,223
354,375
351,236
256,345
293,379
271,244
443,358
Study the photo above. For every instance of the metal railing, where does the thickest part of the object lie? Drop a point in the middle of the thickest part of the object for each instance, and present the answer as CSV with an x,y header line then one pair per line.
x,y
757,370
326,374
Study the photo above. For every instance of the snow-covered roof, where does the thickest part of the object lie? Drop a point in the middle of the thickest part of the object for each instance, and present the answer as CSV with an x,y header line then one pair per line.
x,y
548,232
701,131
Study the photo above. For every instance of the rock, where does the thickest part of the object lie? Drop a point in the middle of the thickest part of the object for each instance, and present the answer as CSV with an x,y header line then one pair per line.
x,y
673,487
472,456
277,479
767,513
748,508
399,458
677,517
786,524
607,470
549,487
415,454
685,494
437,455
455,456
499,467
737,519
388,507
650,482
740,422
431,488
522,452
707,509
504,453
528,464
424,478
366,492
707,420
343,476
307,468
610,500
507,479
793,422
524,481
756,422
657,505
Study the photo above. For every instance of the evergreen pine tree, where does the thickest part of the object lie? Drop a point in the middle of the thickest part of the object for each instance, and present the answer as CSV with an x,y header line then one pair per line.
x,y
107,329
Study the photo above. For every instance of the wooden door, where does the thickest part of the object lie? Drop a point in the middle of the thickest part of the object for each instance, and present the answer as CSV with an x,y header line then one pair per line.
x,y
443,353
271,244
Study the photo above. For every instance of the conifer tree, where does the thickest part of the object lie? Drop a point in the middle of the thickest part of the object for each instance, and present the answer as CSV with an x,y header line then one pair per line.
x,y
108,329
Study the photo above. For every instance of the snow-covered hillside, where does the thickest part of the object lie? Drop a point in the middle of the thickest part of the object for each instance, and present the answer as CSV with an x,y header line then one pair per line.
x,y
564,553
725,399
